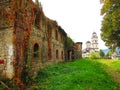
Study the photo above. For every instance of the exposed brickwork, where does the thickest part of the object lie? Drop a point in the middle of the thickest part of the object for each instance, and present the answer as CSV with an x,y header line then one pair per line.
x,y
6,53
37,36
46,43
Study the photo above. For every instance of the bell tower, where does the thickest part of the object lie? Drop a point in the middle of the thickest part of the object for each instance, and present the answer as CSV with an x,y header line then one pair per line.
x,y
95,42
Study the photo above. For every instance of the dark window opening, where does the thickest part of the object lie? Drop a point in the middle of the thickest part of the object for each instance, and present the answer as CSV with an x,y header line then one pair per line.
x,y
57,54
36,50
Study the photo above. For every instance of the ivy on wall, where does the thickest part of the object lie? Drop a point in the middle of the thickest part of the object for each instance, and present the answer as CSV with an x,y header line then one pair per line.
x,y
19,14
22,15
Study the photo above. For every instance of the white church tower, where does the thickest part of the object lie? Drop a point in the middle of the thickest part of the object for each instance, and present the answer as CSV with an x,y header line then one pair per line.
x,y
94,43
91,46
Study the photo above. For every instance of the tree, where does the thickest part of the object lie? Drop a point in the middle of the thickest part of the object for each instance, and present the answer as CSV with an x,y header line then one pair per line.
x,y
110,30
102,54
109,54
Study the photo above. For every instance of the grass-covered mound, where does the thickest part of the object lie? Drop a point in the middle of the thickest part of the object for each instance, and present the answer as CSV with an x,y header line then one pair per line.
x,y
77,75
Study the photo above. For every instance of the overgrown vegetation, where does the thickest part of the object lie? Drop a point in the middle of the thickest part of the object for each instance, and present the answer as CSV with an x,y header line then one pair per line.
x,y
78,75
82,74
38,3
94,55
69,43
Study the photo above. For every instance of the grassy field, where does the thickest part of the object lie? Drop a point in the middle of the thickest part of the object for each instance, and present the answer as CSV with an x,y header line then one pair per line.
x,y
82,74
77,75
114,64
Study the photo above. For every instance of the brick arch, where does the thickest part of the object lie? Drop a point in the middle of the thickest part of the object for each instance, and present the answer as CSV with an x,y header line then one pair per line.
x,y
36,50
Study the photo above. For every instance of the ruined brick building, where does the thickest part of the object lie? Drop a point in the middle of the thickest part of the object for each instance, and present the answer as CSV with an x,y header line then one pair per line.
x,y
46,44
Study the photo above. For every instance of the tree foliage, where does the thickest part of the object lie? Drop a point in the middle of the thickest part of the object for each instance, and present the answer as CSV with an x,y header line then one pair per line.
x,y
110,30
102,54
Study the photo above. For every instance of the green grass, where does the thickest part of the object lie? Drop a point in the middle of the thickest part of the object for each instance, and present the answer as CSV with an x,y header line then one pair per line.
x,y
114,64
77,75
82,74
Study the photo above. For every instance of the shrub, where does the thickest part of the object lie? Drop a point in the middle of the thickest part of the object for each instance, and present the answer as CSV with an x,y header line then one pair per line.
x,y
94,55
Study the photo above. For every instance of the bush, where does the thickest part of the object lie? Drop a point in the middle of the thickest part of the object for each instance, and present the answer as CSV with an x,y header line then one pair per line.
x,y
94,55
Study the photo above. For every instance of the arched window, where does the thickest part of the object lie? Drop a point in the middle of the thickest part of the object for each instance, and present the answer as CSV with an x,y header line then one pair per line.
x,y
36,51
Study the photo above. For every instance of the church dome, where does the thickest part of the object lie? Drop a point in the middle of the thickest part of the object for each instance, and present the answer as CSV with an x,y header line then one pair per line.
x,y
94,35
94,32
88,42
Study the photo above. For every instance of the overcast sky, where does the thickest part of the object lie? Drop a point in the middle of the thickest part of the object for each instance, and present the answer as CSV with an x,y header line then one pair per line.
x,y
79,18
